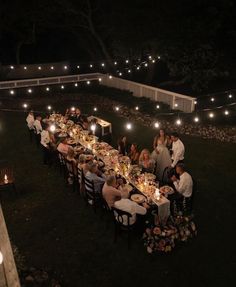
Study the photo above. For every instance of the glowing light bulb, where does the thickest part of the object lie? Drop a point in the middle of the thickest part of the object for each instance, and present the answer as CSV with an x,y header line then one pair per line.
x,y
39,68
72,109
25,106
150,57
88,82
62,87
49,108
230,96
76,85
212,99
52,68
115,63
25,68
195,102
153,61
146,64
12,92
47,89
158,107
226,112
103,64
196,119
65,67
136,108
178,122
138,68
29,91
159,57
95,109
129,71
100,79
90,65
176,105
211,115
12,67
110,77
126,61
156,125
128,126
117,109
120,74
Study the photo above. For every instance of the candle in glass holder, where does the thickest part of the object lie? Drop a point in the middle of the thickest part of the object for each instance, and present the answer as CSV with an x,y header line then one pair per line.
x,y
5,179
157,193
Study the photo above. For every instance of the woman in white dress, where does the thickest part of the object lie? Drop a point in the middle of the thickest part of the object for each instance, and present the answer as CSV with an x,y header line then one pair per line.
x,y
162,158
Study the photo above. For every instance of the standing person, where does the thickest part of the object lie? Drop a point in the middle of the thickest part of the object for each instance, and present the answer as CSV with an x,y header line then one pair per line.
x,y
146,162
30,124
45,144
161,137
122,145
38,129
161,156
178,149
134,154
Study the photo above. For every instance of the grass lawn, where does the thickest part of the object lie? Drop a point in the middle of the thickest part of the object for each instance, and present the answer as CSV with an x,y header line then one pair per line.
x,y
54,229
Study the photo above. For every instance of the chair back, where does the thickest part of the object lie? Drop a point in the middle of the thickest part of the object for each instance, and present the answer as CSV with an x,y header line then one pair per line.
x,y
121,216
89,189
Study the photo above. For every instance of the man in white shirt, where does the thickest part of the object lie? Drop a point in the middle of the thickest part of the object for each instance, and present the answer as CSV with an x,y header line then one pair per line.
x,y
178,150
38,129
30,124
130,206
183,185
92,176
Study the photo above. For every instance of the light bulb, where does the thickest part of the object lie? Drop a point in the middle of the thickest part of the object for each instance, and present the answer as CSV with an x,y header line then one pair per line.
x,y
25,106
12,92
212,99
47,89
137,108
211,115
12,67
88,82
62,87
178,122
76,85
226,112
95,109
25,68
196,119
117,108
156,125
110,77
65,67
29,91
52,128
49,108
52,68
158,107
39,68
230,96
128,126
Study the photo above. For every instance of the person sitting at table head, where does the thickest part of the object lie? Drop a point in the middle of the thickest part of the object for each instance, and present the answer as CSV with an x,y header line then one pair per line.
x,y
63,147
178,149
134,153
183,185
131,207
110,192
146,162
92,176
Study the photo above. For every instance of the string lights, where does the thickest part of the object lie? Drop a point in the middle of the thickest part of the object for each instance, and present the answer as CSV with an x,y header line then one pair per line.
x,y
128,126
156,125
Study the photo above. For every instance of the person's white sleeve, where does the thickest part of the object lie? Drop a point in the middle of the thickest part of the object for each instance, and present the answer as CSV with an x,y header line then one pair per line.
x,y
140,209
181,186
177,156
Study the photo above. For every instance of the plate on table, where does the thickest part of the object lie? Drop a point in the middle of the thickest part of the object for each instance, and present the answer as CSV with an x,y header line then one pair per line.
x,y
71,141
138,198
166,190
62,135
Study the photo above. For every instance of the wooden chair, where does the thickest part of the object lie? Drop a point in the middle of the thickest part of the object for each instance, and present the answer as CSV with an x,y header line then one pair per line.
x,y
121,217
92,197
81,183
72,173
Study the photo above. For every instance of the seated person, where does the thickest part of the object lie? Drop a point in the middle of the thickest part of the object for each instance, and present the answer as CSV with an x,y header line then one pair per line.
x,y
130,206
183,185
134,154
110,192
92,175
146,162
63,147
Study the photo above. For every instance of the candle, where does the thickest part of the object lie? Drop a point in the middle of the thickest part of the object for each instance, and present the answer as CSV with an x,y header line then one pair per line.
x,y
5,179
157,193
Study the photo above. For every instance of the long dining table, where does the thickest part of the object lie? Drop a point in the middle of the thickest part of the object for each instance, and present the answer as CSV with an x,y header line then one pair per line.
x,y
144,183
